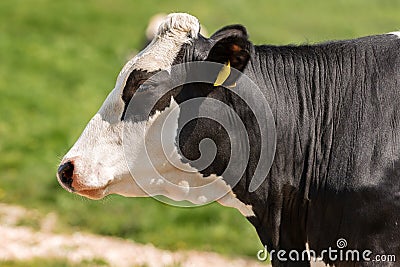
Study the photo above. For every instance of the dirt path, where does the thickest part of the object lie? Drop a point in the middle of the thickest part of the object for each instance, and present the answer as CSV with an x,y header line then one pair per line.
x,y
25,243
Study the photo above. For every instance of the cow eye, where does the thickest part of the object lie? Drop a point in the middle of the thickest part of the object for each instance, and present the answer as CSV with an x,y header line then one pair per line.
x,y
146,85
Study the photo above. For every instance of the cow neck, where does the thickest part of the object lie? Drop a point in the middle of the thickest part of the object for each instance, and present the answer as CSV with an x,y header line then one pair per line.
x,y
295,82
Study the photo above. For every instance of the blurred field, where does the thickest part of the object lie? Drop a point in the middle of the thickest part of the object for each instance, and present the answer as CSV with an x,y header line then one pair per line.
x,y
59,60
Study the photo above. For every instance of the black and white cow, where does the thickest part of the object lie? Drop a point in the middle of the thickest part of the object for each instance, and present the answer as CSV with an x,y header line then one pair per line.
x,y
336,171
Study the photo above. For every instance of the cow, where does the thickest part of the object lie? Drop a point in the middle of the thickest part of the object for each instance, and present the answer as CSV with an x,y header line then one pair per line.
x,y
336,166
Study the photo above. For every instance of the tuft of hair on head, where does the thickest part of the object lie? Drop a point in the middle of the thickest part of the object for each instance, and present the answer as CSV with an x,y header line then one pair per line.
x,y
179,25
153,25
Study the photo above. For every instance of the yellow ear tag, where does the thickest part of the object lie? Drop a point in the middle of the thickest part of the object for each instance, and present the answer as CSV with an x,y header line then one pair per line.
x,y
223,74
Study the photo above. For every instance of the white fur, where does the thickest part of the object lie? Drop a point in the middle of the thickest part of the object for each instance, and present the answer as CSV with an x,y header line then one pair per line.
x,y
395,33
98,156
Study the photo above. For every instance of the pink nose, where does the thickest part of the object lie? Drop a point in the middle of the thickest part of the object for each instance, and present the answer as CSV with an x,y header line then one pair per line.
x,y
66,173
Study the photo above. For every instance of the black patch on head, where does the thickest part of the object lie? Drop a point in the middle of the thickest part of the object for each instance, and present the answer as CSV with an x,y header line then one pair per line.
x,y
181,55
135,80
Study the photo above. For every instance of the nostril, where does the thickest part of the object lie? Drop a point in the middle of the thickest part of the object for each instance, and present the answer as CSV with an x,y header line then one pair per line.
x,y
65,173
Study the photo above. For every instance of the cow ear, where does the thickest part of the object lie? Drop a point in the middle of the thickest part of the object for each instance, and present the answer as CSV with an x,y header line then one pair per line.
x,y
229,31
230,44
233,52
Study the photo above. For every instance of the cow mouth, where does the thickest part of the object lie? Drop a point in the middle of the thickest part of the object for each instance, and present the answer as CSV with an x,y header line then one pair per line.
x,y
93,193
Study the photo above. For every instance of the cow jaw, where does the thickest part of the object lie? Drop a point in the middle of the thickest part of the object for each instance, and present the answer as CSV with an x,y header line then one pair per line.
x,y
157,166
154,168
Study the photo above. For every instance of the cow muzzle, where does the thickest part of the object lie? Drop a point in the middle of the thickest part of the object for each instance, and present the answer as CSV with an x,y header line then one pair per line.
x,y
74,181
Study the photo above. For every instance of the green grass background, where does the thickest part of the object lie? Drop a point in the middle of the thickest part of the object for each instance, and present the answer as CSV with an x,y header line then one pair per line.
x,y
59,60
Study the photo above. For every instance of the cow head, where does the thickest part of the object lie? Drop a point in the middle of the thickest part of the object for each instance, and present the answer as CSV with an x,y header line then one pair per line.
x,y
109,156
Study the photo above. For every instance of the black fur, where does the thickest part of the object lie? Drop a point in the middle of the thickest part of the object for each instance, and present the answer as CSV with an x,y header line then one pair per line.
x,y
336,170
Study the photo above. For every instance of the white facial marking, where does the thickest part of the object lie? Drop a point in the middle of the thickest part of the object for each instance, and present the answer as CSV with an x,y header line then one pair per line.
x,y
395,33
88,159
